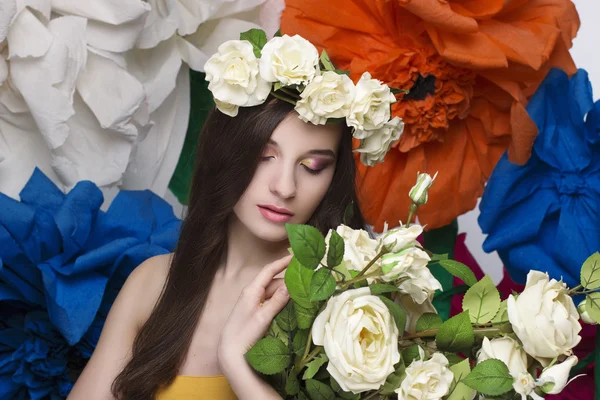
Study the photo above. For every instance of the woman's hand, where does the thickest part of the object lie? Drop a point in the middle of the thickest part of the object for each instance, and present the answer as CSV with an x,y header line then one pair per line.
x,y
251,316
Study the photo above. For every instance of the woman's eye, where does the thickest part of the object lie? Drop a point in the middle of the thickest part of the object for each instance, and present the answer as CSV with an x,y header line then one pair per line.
x,y
312,171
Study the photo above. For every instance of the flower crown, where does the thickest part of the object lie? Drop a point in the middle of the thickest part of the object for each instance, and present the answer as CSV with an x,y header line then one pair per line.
x,y
244,72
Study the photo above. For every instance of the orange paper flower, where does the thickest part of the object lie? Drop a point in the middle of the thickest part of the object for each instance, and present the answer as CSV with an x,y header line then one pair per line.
x,y
470,66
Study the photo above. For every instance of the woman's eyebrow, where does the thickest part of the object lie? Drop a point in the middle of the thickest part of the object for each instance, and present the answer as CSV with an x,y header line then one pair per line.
x,y
316,152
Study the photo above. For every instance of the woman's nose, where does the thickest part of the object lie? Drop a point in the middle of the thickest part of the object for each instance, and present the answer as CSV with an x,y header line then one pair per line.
x,y
283,182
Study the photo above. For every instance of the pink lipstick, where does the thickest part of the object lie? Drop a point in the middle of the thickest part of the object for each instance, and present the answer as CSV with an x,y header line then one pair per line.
x,y
275,214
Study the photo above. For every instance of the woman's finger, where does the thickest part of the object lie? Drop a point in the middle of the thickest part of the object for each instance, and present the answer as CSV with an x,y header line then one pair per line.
x,y
273,286
276,303
266,275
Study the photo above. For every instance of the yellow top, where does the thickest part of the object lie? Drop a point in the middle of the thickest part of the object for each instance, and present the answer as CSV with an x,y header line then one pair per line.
x,y
198,388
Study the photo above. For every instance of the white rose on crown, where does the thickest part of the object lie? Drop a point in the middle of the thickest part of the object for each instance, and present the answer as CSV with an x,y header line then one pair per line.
x,y
377,143
234,78
327,96
370,108
289,60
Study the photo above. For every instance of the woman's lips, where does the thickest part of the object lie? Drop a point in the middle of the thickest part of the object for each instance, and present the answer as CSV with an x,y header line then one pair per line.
x,y
273,215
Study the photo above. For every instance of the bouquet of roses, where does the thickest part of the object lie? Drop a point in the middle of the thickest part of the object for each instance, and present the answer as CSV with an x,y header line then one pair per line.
x,y
360,323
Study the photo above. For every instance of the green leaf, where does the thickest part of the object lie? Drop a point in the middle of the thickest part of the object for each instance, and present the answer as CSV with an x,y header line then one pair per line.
x,y
278,33
302,396
297,279
319,391
590,272
454,358
592,306
305,315
397,312
502,314
342,71
327,64
322,285
490,378
459,270
349,214
257,38
380,288
286,318
359,284
277,86
292,385
268,356
398,91
307,243
458,390
335,255
410,354
482,301
275,331
438,257
456,334
394,380
299,341
428,321
313,367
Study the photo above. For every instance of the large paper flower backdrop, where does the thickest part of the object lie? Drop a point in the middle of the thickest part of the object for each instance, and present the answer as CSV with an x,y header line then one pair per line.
x,y
62,262
546,214
99,91
470,67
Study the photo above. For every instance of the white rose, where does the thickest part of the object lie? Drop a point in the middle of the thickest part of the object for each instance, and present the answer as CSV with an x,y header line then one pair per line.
x,y
411,263
419,193
226,108
359,247
233,75
544,318
399,238
326,96
557,376
507,350
370,108
585,316
414,310
289,60
524,384
360,340
377,143
426,380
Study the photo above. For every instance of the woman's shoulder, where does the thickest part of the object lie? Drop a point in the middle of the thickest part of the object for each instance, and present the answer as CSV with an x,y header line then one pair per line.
x,y
145,283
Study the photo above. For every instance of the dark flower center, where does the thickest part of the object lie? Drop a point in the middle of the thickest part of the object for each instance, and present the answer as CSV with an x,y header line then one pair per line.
x,y
423,87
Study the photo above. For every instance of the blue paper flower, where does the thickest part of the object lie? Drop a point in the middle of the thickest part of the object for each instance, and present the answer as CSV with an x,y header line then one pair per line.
x,y
62,264
545,215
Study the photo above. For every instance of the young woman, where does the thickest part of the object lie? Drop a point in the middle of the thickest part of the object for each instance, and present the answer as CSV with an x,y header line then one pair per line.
x,y
182,323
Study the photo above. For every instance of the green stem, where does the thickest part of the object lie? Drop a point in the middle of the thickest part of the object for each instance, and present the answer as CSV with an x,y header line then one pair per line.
x,y
576,288
290,93
478,331
411,213
309,357
360,276
372,395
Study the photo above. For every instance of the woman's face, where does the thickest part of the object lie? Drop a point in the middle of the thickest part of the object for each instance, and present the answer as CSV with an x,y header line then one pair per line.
x,y
293,175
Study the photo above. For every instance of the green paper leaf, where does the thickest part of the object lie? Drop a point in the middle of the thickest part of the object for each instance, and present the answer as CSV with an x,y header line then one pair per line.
x,y
286,318
397,312
428,321
349,214
319,391
458,390
257,38
482,301
411,354
490,378
307,243
459,270
456,334
394,380
335,253
592,306
313,367
327,64
299,341
322,285
381,288
305,315
292,385
276,332
502,314
269,356
590,272
297,280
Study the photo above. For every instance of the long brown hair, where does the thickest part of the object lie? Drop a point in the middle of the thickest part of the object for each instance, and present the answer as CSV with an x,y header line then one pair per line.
x,y
227,155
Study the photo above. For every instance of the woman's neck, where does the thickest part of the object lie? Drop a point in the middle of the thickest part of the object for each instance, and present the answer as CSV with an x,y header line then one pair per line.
x,y
245,250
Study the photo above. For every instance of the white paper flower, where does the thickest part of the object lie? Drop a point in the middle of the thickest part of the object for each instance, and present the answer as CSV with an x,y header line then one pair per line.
x,y
557,376
360,340
401,237
370,108
377,143
234,77
289,60
544,318
327,96
426,380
